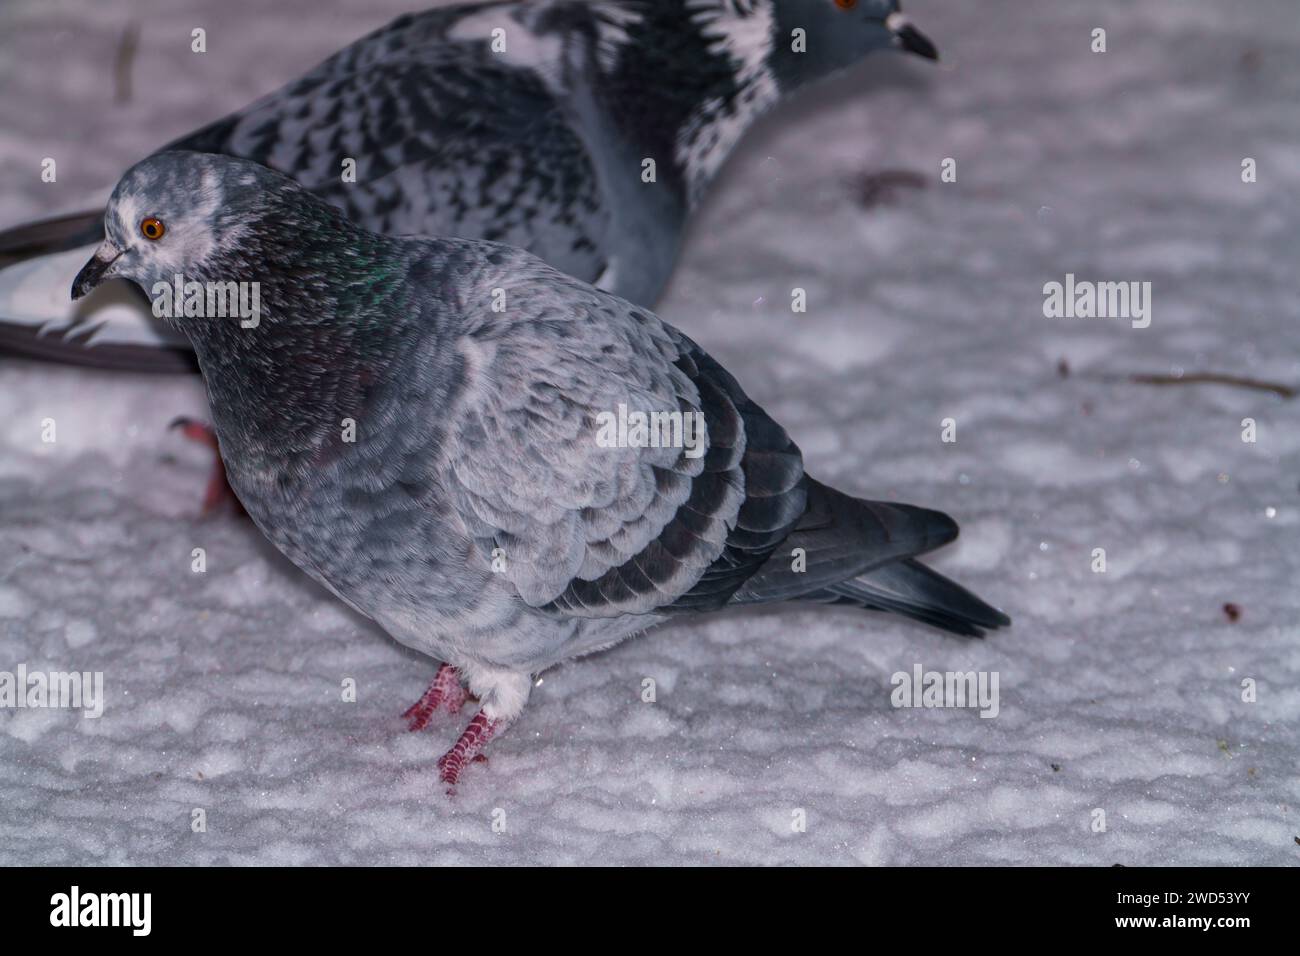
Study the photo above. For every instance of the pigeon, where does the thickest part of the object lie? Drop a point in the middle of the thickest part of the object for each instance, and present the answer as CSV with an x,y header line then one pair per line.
x,y
503,466
583,131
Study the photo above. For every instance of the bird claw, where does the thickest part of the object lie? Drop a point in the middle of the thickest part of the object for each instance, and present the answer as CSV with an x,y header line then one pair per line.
x,y
445,693
194,431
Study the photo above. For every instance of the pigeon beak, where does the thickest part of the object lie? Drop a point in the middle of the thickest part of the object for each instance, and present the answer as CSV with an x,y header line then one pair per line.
x,y
909,38
96,270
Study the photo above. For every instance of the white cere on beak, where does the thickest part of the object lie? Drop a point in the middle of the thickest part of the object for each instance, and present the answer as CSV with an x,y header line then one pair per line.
x,y
107,252
896,21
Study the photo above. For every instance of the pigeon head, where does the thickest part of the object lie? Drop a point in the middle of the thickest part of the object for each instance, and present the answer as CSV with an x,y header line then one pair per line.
x,y
251,268
836,34
802,40
743,57
179,213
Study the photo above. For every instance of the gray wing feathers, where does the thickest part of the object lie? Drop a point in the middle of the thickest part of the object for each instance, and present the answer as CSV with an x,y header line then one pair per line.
x,y
680,551
591,531
582,526
774,484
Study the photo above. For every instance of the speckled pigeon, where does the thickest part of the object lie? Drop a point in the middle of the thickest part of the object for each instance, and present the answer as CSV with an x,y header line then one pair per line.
x,y
423,426
529,123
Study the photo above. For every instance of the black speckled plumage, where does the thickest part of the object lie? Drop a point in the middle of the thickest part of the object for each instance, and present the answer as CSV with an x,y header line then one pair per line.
x,y
539,144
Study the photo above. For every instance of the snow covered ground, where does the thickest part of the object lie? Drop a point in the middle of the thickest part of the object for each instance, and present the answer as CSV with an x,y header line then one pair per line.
x,y
1120,691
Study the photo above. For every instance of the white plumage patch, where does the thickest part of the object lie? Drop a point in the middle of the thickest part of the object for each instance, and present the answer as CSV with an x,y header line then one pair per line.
x,y
613,23
502,692
523,47
189,238
739,29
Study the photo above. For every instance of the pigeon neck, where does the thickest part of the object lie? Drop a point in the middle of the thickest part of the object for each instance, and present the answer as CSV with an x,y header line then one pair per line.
x,y
275,391
684,96
714,128
284,385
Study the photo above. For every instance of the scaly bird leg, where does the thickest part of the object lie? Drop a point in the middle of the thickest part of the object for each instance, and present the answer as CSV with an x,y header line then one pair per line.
x,y
480,730
445,692
218,489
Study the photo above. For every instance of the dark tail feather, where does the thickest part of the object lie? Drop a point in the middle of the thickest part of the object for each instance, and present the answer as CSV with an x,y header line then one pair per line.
x,y
911,589
75,336
861,553
842,537
50,235
25,341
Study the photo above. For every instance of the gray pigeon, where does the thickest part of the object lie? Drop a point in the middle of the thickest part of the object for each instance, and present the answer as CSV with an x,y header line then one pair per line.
x,y
445,434
529,123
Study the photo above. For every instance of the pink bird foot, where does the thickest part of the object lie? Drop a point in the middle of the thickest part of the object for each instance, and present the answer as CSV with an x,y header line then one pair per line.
x,y
466,750
218,490
445,693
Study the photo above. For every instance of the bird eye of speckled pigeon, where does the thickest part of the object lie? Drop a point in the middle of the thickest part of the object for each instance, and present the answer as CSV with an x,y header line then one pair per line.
x,y
448,133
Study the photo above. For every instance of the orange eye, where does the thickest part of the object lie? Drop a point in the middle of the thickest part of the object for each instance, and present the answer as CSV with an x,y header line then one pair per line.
x,y
846,4
152,228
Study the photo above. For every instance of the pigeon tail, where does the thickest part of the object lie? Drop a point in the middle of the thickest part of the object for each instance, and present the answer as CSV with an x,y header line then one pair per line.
x,y
913,590
47,236
839,537
111,329
848,550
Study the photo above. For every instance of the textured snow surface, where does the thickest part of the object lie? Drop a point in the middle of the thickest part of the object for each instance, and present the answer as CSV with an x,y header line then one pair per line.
x,y
1119,691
